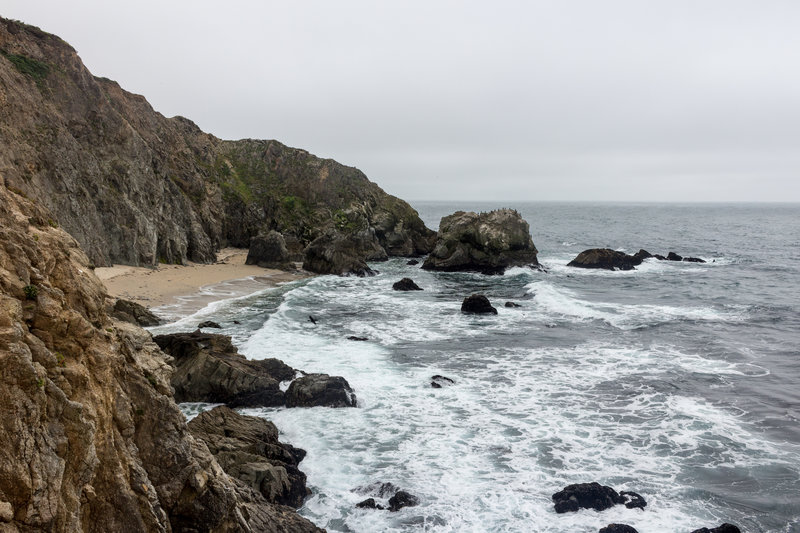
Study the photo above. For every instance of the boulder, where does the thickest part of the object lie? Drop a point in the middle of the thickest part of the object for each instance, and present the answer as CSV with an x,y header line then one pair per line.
x,y
397,498
402,499
617,528
477,304
208,324
605,258
379,489
343,254
586,496
406,284
672,256
269,251
134,313
512,304
320,390
633,500
412,262
247,448
208,368
437,381
482,242
724,528
642,254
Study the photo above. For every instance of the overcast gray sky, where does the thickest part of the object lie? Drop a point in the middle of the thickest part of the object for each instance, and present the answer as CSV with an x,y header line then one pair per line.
x,y
562,100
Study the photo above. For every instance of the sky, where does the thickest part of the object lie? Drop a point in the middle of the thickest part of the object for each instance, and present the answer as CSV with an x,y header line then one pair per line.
x,y
443,100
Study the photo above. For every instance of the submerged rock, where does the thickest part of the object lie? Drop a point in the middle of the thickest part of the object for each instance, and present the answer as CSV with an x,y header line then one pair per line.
x,y
406,284
482,242
134,313
320,390
633,500
208,324
477,304
269,251
586,496
605,258
437,381
694,260
724,528
208,368
247,448
617,528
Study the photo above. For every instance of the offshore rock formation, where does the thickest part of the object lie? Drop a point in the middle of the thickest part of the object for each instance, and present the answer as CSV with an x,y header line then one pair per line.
x,y
269,251
605,258
137,188
320,390
482,242
91,439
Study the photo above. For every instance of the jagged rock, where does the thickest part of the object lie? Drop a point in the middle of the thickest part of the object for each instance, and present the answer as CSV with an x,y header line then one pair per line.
x,y
91,438
633,500
269,251
605,258
724,528
369,503
320,390
208,368
672,256
337,253
586,496
660,257
134,313
477,304
355,338
247,448
402,499
642,254
406,284
512,304
379,489
486,242
617,528
412,262
437,381
208,324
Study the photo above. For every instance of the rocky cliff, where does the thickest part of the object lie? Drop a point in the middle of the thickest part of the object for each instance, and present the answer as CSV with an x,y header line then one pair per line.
x,y
90,437
135,187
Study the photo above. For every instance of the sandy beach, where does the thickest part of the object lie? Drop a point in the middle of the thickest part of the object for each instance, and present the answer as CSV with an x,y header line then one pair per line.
x,y
191,286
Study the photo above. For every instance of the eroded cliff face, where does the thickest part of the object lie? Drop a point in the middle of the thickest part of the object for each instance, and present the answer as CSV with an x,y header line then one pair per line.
x,y
135,187
90,437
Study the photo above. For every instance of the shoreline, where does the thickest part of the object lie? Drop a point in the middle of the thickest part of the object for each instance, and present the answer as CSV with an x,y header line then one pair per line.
x,y
184,289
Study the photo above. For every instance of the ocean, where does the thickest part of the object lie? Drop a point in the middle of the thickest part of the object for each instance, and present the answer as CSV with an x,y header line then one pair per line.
x,y
679,381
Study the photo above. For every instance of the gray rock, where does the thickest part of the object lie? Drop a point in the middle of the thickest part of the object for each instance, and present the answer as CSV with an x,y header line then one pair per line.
x,y
269,251
134,313
320,390
342,254
485,242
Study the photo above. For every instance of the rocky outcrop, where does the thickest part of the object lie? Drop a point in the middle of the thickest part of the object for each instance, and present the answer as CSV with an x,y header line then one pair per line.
x,y
208,368
91,439
320,390
335,253
482,242
269,251
605,258
134,313
594,496
247,448
437,381
135,187
724,528
406,284
477,304
397,499
208,324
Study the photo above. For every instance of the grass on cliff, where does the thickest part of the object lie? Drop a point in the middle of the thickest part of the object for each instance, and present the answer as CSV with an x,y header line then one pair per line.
x,y
29,67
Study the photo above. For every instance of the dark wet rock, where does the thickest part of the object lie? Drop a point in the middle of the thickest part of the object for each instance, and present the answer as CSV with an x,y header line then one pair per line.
x,y
477,304
248,449
354,338
642,254
343,254
605,258
134,313
617,528
672,256
660,257
402,499
236,322
208,368
412,262
724,528
209,324
378,489
482,242
512,304
269,251
320,390
437,381
406,284
693,260
633,500
586,496
369,503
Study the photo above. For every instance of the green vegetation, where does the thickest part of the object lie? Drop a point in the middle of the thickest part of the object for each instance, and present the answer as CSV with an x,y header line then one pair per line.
x,y
31,292
52,223
151,378
29,67
61,359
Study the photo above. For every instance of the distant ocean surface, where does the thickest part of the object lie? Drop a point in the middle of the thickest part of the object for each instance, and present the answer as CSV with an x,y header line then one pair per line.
x,y
679,381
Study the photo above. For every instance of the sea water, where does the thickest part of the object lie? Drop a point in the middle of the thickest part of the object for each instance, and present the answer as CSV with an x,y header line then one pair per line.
x,y
679,381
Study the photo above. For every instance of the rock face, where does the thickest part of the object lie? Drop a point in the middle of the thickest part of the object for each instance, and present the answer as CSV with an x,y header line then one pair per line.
x,y
269,251
107,165
208,368
320,390
334,253
247,448
477,304
91,439
134,313
482,242
605,258
406,284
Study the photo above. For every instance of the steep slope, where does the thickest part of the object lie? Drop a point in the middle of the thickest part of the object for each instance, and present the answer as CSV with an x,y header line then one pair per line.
x,y
135,187
90,437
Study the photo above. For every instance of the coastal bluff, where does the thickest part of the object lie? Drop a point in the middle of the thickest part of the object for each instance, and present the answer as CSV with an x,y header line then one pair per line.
x,y
137,188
